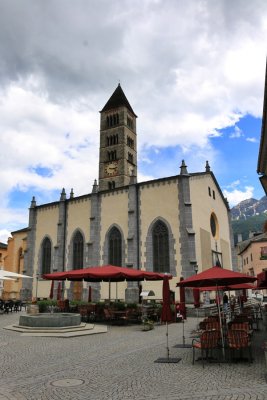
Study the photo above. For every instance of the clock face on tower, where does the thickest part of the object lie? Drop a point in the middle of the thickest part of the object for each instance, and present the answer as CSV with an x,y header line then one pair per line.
x,y
111,168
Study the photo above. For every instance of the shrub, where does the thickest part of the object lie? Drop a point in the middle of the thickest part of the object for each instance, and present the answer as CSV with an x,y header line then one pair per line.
x,y
45,304
119,305
132,305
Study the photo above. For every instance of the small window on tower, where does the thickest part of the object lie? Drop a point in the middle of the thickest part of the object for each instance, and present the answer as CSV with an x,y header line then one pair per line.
x,y
130,122
130,142
111,185
112,120
130,157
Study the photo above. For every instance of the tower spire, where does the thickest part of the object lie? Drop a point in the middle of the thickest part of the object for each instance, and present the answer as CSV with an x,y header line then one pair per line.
x,y
183,168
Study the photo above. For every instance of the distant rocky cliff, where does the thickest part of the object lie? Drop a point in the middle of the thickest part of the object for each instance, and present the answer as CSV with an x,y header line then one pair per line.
x,y
249,208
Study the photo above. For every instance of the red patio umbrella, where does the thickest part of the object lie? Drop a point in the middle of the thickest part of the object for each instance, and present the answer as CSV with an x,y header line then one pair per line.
x,y
196,296
59,291
51,295
216,276
166,316
106,273
89,294
238,286
262,280
166,313
182,300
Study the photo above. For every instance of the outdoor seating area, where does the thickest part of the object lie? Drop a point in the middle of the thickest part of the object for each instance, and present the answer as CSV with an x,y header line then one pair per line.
x,y
109,312
229,335
117,313
8,306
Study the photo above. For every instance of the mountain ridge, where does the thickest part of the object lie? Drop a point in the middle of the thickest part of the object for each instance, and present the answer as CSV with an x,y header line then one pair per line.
x,y
249,208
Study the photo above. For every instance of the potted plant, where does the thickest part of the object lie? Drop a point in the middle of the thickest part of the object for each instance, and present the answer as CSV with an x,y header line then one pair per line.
x,y
148,324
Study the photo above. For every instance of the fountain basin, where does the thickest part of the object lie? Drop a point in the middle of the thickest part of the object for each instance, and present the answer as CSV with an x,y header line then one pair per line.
x,y
50,320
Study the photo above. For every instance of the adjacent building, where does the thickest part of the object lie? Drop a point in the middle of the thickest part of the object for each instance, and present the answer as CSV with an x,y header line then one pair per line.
x,y
3,253
253,254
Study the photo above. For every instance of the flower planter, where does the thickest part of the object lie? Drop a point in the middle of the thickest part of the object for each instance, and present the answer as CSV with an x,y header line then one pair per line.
x,y
148,327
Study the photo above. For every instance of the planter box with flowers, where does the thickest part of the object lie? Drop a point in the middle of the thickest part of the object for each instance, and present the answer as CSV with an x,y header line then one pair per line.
x,y
148,324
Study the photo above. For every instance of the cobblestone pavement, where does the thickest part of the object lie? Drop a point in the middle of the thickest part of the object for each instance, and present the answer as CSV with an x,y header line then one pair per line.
x,y
120,365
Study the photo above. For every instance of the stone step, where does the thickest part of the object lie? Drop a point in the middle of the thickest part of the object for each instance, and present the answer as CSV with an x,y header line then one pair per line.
x,y
86,329
53,328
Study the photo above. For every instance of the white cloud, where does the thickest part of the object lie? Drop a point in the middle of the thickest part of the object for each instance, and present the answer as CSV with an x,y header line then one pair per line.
x,y
236,134
252,140
4,235
36,137
189,69
235,196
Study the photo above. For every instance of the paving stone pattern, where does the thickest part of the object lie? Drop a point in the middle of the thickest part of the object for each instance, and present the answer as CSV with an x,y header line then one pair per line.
x,y
119,365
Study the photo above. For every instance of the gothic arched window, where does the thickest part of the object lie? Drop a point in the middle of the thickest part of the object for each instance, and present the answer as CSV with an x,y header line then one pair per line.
x,y
115,247
78,251
46,256
161,258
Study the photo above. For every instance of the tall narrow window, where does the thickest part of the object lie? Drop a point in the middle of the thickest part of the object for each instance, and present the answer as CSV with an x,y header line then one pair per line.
x,y
160,237
78,251
115,247
111,185
46,256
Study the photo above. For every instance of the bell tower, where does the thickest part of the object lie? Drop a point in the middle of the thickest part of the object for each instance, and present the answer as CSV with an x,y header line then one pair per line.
x,y
117,153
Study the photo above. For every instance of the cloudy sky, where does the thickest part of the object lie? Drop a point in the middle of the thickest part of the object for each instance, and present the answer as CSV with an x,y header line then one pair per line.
x,y
192,70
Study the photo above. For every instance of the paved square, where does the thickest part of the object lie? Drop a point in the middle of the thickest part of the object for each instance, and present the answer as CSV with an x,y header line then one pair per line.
x,y
120,365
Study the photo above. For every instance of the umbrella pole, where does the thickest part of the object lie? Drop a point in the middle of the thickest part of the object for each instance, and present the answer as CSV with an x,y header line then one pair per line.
x,y
167,336
183,332
220,318
166,316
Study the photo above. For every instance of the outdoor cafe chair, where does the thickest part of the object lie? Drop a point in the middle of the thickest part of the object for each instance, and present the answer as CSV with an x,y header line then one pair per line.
x,y
109,315
244,318
17,305
8,306
207,320
208,341
241,326
85,313
213,326
210,322
237,341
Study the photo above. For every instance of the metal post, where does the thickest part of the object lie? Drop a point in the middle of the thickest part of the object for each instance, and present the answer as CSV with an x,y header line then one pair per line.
x,y
196,271
36,293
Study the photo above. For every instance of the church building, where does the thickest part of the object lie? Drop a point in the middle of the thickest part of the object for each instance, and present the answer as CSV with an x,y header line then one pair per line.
x,y
177,224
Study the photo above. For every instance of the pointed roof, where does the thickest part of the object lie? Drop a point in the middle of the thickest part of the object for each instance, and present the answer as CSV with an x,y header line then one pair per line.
x,y
118,99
